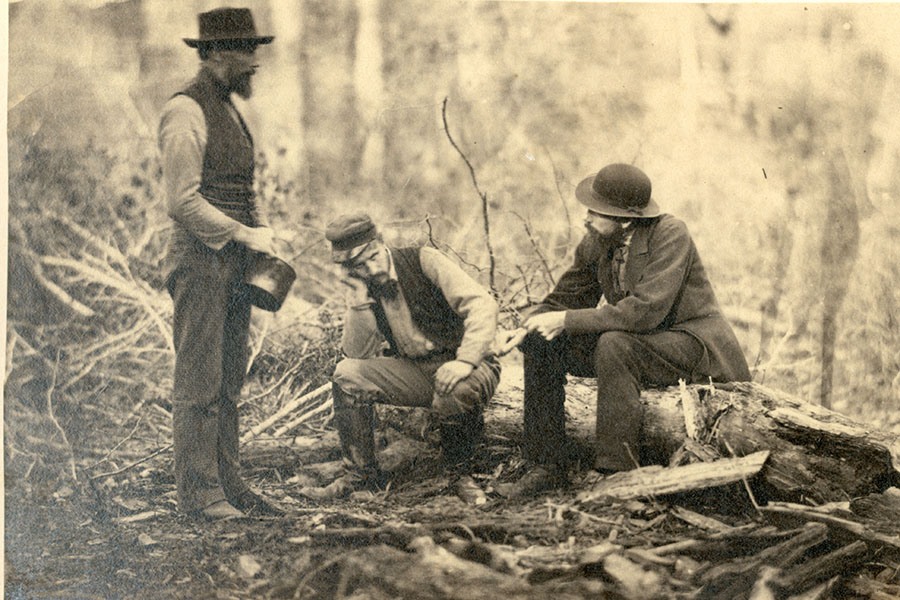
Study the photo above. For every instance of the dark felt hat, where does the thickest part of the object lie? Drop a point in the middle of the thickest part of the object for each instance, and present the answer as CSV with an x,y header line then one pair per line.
x,y
227,25
348,232
618,190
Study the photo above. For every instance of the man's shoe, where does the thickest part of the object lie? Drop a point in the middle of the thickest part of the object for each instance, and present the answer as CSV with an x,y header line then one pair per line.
x,y
539,479
256,505
218,511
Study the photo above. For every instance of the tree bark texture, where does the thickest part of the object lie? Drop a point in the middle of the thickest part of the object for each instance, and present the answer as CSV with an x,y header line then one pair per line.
x,y
816,454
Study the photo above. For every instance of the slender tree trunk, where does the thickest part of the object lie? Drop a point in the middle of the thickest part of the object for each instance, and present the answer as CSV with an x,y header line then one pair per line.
x,y
369,82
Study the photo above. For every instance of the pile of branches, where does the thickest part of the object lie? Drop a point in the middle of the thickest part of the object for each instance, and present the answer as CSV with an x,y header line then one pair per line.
x,y
86,238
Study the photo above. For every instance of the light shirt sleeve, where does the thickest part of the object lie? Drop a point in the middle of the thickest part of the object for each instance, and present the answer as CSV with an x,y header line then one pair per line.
x,y
468,299
182,146
360,338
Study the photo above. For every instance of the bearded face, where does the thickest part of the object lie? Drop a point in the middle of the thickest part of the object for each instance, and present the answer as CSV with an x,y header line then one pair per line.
x,y
607,228
235,68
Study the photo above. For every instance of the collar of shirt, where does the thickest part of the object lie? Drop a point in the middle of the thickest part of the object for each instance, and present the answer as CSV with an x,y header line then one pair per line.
x,y
392,272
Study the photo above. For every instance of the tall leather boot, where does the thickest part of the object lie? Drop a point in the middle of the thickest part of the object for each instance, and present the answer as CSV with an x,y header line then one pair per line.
x,y
459,436
354,421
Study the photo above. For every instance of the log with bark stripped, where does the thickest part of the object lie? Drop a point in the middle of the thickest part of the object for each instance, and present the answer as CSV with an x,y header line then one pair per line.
x,y
816,454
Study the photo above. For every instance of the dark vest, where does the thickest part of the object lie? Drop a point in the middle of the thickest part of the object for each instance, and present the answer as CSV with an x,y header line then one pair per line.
x,y
227,177
429,309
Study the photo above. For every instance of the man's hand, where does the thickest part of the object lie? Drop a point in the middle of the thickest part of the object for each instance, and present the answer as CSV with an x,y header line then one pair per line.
x,y
259,239
548,324
449,374
505,340
357,292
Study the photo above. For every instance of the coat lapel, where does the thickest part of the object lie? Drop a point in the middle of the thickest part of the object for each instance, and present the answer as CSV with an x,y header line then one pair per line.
x,y
638,256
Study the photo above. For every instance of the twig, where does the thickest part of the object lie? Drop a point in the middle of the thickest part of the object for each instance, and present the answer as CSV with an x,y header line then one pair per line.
x,y
562,199
525,285
116,282
304,417
132,465
744,479
275,385
116,447
431,241
536,248
10,350
484,202
285,410
55,422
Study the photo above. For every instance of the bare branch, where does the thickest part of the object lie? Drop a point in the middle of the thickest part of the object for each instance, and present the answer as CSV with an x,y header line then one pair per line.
x,y
484,202
117,446
132,465
536,248
59,428
562,199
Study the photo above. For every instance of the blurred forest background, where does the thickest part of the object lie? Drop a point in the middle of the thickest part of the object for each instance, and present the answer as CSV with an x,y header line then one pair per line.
x,y
772,130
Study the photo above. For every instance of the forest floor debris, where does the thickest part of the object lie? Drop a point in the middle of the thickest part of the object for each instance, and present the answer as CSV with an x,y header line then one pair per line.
x,y
121,536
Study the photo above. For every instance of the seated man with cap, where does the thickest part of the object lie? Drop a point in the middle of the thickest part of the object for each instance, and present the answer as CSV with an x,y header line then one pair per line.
x,y
438,325
635,309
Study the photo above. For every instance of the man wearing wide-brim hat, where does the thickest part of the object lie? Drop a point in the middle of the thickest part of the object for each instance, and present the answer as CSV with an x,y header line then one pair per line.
x,y
635,309
208,167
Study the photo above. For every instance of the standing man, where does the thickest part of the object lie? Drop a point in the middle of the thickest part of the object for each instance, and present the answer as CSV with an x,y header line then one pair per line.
x,y
636,309
208,163
438,325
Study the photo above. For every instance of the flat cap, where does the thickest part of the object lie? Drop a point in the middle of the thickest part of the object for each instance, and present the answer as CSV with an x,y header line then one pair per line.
x,y
347,232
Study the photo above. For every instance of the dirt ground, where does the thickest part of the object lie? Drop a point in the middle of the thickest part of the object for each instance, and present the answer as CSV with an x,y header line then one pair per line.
x,y
121,537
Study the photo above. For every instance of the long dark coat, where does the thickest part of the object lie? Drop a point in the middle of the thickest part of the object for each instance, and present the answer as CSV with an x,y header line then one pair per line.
x,y
665,288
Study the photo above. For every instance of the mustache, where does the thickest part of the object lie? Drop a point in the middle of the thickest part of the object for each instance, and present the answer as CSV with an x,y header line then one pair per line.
x,y
616,234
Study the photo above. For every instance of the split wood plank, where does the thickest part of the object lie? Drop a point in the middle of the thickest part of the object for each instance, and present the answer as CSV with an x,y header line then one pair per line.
x,y
655,480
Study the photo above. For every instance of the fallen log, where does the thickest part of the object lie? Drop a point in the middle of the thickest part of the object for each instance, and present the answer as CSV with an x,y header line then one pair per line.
x,y
816,454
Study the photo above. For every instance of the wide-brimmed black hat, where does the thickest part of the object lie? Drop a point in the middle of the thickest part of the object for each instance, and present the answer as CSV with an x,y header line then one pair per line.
x,y
618,190
227,25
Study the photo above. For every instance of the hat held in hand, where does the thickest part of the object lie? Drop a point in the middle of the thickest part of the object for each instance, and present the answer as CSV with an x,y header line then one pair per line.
x,y
618,190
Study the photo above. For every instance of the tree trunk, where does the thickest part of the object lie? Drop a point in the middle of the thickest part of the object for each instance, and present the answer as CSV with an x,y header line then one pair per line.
x,y
369,83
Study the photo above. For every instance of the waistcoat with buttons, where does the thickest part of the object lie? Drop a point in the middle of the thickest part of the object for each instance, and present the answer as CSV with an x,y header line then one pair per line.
x,y
226,180
428,308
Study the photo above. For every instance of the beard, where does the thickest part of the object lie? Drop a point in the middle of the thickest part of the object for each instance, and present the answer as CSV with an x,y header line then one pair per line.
x,y
241,85
612,236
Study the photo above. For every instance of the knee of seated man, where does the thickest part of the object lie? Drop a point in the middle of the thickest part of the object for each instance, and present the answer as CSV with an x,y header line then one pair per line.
x,y
462,399
533,342
612,345
348,375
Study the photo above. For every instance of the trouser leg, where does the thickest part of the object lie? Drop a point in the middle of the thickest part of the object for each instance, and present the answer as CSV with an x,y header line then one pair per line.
x,y
404,382
624,363
201,292
460,414
544,411
236,353
353,420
